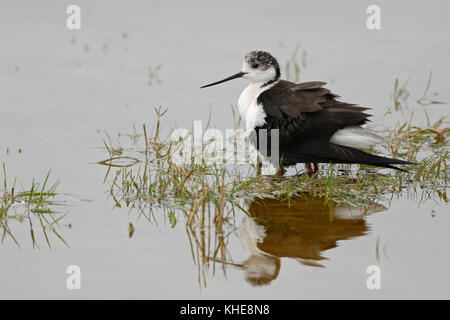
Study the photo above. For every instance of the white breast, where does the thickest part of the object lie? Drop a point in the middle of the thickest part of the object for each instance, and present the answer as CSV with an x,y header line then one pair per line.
x,y
252,113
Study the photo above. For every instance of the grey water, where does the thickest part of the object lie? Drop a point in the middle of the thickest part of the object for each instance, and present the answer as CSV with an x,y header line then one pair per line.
x,y
61,89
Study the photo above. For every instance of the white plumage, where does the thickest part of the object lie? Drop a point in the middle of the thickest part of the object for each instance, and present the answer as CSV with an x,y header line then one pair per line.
x,y
252,113
355,137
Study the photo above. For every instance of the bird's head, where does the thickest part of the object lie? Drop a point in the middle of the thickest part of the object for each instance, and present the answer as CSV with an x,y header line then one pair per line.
x,y
258,67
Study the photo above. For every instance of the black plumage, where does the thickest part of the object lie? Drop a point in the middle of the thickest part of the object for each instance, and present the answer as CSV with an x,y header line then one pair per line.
x,y
307,115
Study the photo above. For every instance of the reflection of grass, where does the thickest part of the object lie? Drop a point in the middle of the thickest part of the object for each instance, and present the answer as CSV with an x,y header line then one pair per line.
x,y
150,177
426,100
147,177
400,94
144,177
33,206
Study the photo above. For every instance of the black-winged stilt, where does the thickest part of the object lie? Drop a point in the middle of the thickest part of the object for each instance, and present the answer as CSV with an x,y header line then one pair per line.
x,y
314,127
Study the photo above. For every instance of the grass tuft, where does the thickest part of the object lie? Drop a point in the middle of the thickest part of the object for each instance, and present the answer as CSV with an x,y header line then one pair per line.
x,y
34,206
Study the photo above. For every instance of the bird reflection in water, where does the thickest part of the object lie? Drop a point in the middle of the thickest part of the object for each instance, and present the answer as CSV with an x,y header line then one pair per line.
x,y
301,230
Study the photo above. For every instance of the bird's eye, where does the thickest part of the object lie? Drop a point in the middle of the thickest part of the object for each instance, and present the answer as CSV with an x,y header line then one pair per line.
x,y
255,66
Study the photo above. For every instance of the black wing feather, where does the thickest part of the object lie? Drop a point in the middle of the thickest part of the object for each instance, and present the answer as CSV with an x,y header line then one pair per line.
x,y
307,111
307,115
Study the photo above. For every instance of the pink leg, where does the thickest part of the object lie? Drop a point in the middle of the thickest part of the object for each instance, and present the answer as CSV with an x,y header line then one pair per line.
x,y
309,168
316,167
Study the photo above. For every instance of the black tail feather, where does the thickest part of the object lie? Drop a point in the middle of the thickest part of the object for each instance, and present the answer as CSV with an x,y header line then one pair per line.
x,y
351,155
384,162
317,151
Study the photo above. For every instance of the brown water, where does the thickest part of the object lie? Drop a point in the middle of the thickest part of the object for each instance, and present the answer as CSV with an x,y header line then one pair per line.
x,y
61,89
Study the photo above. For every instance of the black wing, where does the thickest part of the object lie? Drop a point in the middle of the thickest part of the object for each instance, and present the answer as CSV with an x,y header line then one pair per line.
x,y
307,115
307,110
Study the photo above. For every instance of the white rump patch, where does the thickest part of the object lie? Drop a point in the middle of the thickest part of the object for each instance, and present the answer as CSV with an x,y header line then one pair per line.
x,y
356,137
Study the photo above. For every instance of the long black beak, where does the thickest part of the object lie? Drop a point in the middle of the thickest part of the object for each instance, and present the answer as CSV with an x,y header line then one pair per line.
x,y
234,76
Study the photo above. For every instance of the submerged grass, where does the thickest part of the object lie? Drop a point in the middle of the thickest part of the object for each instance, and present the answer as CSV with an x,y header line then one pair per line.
x,y
31,207
151,177
147,177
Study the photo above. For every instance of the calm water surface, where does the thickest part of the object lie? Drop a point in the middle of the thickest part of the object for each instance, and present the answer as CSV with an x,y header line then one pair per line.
x,y
61,89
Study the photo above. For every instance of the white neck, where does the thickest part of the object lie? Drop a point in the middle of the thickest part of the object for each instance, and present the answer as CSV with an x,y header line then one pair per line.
x,y
252,113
